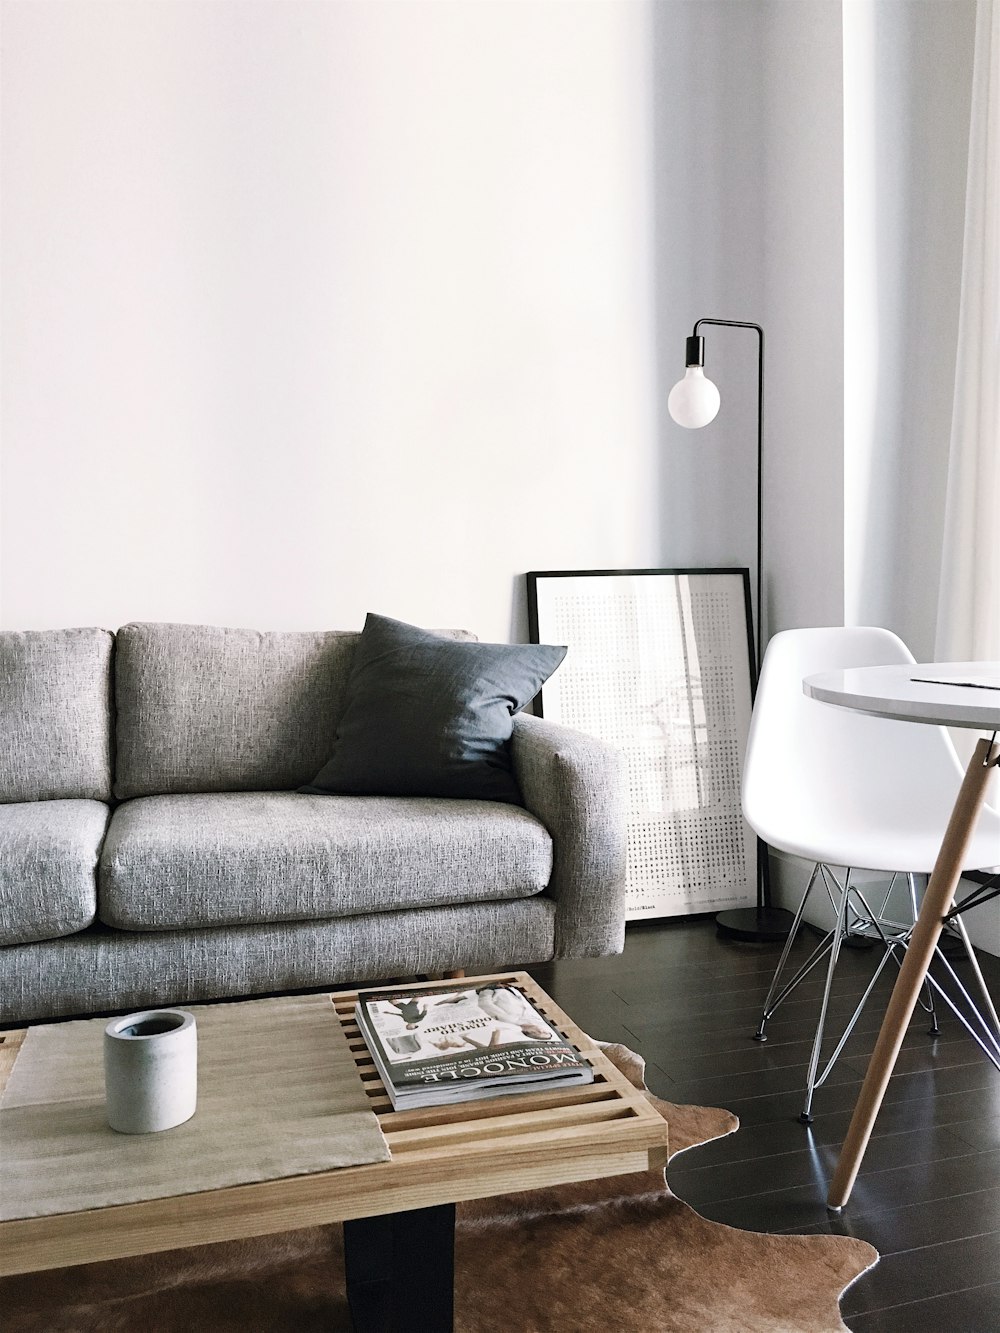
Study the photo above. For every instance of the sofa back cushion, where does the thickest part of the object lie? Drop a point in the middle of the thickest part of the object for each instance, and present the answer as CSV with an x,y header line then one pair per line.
x,y
55,714
203,709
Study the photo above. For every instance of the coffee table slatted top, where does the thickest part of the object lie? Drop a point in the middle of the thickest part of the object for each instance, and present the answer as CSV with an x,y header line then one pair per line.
x,y
444,1154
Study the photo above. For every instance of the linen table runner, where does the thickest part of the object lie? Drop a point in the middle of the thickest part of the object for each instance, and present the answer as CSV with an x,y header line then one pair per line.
x,y
279,1095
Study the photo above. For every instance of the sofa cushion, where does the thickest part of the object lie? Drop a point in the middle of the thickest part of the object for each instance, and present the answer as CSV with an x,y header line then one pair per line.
x,y
426,716
238,857
55,714
205,709
48,868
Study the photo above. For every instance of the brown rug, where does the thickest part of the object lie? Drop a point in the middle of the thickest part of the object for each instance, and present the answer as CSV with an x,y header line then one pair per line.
x,y
621,1253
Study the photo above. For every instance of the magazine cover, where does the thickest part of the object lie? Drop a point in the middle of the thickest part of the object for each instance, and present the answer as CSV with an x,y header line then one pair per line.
x,y
465,1035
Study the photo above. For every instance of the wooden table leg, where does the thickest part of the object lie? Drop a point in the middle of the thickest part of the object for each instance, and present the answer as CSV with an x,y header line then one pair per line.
x,y
937,902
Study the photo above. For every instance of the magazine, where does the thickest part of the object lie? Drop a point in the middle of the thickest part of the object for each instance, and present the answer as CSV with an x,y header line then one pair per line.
x,y
433,1047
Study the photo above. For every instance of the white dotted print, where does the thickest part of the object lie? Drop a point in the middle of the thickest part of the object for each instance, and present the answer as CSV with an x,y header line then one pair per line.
x,y
658,665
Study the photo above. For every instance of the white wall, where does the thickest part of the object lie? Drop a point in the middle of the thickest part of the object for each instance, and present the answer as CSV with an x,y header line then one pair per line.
x,y
710,153
811,177
908,85
316,307
750,227
804,314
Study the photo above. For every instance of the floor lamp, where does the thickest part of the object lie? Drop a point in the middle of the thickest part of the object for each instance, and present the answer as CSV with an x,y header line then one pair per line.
x,y
694,401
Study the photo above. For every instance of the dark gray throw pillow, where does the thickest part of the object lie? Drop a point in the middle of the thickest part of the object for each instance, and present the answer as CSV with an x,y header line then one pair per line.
x,y
428,716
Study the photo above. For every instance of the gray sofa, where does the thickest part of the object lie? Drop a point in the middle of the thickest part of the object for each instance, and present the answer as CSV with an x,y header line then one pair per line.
x,y
154,848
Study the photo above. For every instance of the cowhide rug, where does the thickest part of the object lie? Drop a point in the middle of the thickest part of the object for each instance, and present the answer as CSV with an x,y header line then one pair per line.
x,y
622,1254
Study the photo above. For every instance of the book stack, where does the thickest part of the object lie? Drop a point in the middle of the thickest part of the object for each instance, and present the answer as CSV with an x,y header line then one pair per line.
x,y
487,1039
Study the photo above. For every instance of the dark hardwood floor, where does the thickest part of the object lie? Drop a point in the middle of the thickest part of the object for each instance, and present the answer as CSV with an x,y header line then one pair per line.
x,y
928,1196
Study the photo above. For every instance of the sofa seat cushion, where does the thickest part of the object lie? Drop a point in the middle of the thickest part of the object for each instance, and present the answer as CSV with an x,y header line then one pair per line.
x,y
48,868
175,862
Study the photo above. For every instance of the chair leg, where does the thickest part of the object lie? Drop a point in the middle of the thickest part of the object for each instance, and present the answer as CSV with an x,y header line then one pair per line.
x,y
992,1032
852,1021
856,934
850,916
980,979
806,1117
891,943
770,1007
835,940
928,1006
989,1039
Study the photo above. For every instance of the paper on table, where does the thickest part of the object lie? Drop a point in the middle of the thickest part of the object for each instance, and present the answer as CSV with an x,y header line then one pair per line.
x,y
279,1094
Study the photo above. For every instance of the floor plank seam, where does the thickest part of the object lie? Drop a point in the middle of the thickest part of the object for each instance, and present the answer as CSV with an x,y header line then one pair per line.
x,y
917,1301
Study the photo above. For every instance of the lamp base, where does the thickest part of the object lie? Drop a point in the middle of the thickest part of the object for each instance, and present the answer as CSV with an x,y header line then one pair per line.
x,y
755,925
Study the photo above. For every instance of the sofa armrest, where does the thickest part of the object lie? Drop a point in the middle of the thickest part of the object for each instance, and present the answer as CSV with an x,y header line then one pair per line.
x,y
576,785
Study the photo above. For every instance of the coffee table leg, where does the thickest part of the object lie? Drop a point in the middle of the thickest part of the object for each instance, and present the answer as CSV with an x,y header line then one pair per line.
x,y
400,1270
937,901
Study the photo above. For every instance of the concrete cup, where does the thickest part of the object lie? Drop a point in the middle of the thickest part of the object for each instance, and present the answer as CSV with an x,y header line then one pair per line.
x,y
151,1070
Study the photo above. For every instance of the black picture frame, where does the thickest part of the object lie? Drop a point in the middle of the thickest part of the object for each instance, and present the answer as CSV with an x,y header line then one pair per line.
x,y
662,663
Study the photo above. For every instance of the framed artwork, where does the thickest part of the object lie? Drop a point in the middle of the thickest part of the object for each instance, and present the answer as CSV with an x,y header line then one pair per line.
x,y
661,663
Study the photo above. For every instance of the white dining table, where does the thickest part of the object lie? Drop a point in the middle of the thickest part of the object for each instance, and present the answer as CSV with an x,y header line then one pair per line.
x,y
951,694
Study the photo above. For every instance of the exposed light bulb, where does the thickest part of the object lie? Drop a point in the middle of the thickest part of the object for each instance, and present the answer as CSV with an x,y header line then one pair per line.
x,y
694,400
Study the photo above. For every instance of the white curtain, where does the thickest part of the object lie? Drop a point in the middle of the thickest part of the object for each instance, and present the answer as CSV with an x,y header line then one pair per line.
x,y
968,622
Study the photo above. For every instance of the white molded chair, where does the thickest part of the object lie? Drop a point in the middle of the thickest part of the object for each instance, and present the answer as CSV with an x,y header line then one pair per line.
x,y
840,788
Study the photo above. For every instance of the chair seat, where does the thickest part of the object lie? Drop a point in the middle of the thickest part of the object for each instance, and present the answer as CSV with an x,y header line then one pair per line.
x,y
886,844
834,785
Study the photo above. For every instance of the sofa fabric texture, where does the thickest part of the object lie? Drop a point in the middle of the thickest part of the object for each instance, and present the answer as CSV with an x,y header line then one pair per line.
x,y
99,969
576,785
216,876
55,714
48,868
203,708
426,716
237,858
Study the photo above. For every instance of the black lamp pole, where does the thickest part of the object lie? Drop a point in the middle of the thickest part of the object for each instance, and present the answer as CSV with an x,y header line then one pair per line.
x,y
762,923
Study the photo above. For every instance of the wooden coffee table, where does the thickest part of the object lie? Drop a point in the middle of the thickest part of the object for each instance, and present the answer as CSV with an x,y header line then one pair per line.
x,y
398,1215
